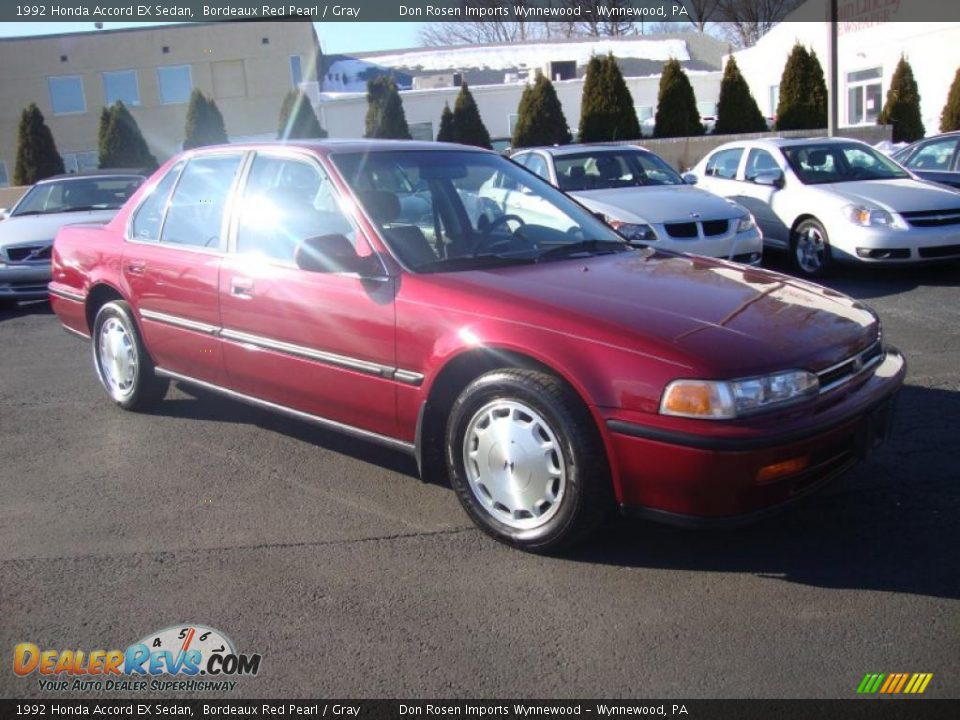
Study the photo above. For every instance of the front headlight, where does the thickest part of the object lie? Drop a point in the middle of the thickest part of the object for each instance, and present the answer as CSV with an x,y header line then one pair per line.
x,y
867,216
746,223
634,232
723,400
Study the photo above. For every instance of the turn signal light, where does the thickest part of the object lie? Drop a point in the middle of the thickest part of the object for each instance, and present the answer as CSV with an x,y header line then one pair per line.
x,y
778,470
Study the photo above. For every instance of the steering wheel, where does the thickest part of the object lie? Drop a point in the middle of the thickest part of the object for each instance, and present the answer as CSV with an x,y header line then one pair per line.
x,y
484,238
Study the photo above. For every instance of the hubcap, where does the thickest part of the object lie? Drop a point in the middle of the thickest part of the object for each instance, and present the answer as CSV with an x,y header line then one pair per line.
x,y
117,359
513,464
811,250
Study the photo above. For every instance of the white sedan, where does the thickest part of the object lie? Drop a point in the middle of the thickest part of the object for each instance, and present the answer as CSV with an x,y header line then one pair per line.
x,y
638,194
833,199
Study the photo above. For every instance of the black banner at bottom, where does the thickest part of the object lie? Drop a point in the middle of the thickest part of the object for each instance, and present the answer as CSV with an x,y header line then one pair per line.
x,y
867,709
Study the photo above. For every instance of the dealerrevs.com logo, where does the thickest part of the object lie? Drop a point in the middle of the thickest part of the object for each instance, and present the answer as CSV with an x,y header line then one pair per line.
x,y
180,658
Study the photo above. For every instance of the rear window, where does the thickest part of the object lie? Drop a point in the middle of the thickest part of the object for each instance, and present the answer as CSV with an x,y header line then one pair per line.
x,y
78,194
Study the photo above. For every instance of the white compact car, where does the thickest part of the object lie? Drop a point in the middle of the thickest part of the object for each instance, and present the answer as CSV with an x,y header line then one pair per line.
x,y
833,199
27,232
639,195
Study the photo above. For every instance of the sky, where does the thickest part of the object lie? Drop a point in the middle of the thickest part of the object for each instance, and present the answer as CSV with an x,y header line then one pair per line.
x,y
334,37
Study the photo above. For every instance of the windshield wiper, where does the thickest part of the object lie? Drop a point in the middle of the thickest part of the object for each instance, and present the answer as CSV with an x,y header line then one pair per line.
x,y
584,247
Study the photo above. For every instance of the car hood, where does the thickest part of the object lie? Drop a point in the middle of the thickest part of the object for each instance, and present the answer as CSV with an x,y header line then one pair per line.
x,y
19,230
897,195
728,319
658,204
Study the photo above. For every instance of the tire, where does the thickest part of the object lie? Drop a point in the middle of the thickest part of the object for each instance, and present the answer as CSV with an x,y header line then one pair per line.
x,y
810,249
551,486
123,364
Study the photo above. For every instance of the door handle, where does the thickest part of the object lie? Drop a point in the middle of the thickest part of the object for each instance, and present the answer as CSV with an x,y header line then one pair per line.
x,y
136,267
241,287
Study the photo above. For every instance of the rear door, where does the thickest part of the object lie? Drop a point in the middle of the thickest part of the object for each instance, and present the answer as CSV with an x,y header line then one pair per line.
x,y
321,343
171,263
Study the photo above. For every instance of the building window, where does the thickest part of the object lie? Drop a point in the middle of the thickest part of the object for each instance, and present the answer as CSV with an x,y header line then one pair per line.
x,y
4,177
296,72
774,99
175,83
63,58
66,94
81,161
707,109
511,123
644,112
422,131
122,86
864,96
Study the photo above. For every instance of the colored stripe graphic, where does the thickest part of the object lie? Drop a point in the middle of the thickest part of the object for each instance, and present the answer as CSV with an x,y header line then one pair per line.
x,y
894,683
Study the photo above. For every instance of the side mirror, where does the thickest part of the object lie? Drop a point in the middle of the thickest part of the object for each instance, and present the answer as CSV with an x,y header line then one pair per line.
x,y
690,179
4,213
328,254
601,217
772,179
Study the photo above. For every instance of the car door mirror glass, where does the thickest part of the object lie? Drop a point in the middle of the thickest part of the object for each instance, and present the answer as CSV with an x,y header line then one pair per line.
x,y
690,179
328,254
772,179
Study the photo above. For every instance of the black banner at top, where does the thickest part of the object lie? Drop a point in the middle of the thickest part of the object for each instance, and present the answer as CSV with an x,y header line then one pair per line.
x,y
458,10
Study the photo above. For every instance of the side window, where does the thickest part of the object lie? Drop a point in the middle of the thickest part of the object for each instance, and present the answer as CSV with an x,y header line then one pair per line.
x,y
195,215
724,164
935,155
536,164
149,216
760,162
285,201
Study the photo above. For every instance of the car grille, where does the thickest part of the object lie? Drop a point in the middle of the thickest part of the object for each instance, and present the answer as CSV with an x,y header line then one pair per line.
x,y
932,218
940,251
845,371
28,252
687,230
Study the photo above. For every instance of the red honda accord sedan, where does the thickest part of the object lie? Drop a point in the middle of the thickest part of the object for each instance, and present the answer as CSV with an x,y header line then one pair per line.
x,y
551,370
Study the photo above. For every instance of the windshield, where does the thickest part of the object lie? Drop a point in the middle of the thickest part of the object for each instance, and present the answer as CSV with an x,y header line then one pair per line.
x,y
604,169
467,210
840,162
74,195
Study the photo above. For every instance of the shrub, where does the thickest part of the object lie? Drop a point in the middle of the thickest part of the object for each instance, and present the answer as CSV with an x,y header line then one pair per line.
x,y
803,92
447,132
677,114
606,110
385,116
122,145
468,126
204,122
950,116
902,108
298,119
37,156
737,111
540,119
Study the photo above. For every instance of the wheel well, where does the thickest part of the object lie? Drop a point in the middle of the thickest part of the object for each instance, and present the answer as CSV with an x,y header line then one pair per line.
x,y
449,383
796,223
99,296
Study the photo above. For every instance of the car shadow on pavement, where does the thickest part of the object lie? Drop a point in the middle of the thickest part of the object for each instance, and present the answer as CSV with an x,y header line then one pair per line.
x,y
891,524
865,282
36,307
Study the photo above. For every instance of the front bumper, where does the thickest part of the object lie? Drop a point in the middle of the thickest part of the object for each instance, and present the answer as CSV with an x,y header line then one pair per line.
x,y
743,247
27,281
890,246
712,479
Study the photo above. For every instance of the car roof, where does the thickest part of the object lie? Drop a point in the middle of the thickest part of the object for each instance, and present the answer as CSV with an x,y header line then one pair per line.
x,y
131,172
579,148
346,145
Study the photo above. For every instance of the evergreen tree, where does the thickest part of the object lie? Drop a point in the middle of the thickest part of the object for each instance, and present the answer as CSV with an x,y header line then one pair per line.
x,y
204,122
540,119
385,116
468,126
298,119
902,109
37,156
104,124
803,92
122,145
447,132
606,110
737,111
677,114
950,117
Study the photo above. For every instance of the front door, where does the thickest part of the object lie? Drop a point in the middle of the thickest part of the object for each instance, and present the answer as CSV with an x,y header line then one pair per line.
x,y
321,343
760,199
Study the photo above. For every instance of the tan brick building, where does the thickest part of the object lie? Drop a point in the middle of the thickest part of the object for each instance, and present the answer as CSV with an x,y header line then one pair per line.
x,y
247,67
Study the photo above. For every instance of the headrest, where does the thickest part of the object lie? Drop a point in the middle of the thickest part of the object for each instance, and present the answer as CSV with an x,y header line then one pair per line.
x,y
576,172
608,167
817,158
383,206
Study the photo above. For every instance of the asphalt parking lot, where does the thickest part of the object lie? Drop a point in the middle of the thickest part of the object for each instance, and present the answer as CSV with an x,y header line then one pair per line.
x,y
353,579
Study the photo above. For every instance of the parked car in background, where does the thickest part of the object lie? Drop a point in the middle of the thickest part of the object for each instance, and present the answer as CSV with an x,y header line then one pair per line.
x,y
640,196
832,199
551,372
26,235
935,158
